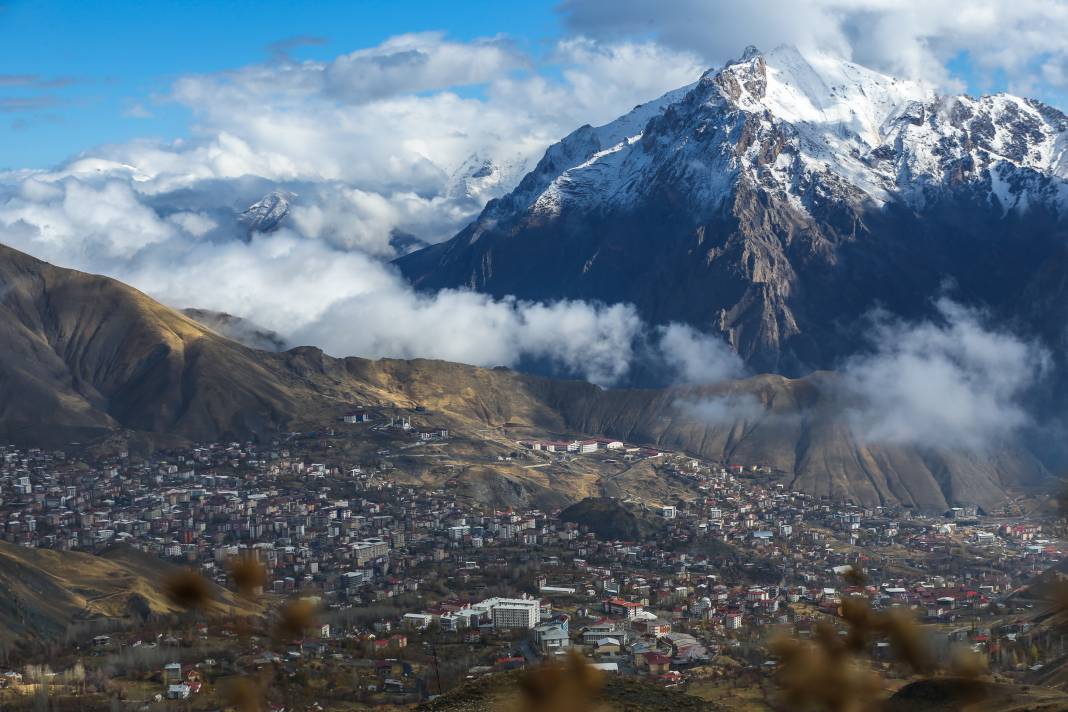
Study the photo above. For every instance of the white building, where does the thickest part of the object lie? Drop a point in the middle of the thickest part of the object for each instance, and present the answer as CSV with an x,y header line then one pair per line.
x,y
511,612
515,615
417,621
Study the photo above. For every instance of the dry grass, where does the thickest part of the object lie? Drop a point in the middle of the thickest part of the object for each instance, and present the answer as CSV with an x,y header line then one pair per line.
x,y
49,589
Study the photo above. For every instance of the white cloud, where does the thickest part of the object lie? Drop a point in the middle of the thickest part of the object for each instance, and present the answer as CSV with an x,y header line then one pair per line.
x,y
75,218
913,38
313,290
696,357
724,410
417,63
195,224
369,140
137,110
365,144
949,382
592,341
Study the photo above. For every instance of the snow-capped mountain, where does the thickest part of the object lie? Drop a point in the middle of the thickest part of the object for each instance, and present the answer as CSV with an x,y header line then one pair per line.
x,y
777,200
793,125
267,213
481,178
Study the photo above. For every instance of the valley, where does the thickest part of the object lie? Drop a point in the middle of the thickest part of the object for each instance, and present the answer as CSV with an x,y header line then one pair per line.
x,y
64,381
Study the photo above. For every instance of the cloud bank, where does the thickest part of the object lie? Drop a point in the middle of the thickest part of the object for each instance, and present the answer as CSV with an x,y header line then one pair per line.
x,y
1021,41
409,137
697,358
951,382
725,410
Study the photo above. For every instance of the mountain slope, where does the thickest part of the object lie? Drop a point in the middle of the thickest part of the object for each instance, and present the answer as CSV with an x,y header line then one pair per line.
x,y
85,355
801,429
776,202
44,591
237,328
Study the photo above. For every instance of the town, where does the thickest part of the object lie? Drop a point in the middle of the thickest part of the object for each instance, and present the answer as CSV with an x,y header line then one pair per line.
x,y
418,589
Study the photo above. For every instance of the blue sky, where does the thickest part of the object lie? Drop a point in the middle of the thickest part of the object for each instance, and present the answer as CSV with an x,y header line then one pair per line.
x,y
93,62
75,75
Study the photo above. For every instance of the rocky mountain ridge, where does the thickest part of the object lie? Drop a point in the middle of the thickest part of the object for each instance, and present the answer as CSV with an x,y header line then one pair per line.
x,y
778,201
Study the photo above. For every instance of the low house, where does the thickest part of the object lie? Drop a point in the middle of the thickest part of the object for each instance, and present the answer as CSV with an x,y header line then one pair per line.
x,y
655,663
607,647
551,638
612,668
602,629
181,691
172,673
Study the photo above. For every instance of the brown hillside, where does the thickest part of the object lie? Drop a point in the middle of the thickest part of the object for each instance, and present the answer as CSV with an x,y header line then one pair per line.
x,y
84,355
43,591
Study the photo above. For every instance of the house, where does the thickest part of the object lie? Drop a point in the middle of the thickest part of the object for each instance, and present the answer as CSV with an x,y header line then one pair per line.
x,y
417,621
602,629
10,678
393,668
656,663
551,637
509,612
612,668
181,691
172,673
655,626
607,647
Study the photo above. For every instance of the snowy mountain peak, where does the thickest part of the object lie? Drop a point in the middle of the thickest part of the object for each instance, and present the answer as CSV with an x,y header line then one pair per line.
x,y
778,200
480,178
268,212
801,125
750,52
821,91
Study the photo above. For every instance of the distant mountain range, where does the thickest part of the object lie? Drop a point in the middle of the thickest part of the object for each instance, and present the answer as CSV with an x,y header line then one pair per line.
x,y
85,356
779,200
